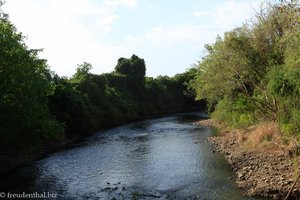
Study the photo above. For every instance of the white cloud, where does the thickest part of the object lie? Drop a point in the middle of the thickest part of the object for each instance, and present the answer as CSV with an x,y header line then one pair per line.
x,y
169,36
183,44
170,50
116,3
108,16
202,14
74,31
71,8
229,14
106,22
70,32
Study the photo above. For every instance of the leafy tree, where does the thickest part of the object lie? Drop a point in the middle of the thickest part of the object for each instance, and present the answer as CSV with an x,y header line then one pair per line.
x,y
255,66
24,118
133,68
71,108
82,72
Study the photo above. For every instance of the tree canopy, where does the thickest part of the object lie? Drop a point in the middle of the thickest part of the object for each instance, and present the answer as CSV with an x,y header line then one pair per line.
x,y
23,93
252,72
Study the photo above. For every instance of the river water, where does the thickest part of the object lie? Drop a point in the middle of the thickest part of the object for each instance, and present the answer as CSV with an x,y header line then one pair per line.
x,y
163,158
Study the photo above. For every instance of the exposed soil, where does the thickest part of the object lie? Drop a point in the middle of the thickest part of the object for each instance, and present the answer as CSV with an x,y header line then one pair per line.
x,y
264,173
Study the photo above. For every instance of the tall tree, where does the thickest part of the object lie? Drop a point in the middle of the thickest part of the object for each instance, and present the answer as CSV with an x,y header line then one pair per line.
x,y
24,116
134,68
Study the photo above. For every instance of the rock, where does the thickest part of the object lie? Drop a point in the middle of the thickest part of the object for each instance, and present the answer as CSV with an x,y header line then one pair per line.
x,y
116,188
106,189
241,176
266,175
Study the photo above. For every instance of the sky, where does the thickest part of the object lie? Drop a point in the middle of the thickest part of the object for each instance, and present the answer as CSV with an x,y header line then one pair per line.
x,y
168,34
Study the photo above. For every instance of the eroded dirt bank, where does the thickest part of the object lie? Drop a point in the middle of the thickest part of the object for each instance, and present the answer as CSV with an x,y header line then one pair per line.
x,y
263,170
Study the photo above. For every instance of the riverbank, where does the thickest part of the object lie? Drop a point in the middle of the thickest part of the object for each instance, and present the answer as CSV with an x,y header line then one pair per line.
x,y
264,167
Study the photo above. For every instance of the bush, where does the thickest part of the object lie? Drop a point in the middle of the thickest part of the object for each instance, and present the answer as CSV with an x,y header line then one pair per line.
x,y
236,113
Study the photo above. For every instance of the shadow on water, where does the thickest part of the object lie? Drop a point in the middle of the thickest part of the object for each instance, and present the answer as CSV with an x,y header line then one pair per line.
x,y
163,158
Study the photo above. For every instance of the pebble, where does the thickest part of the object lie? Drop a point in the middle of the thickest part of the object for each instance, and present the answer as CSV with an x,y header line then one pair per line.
x,y
264,175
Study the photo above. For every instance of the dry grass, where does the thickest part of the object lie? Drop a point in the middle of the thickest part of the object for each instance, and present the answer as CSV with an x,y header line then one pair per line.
x,y
265,135
209,123
264,132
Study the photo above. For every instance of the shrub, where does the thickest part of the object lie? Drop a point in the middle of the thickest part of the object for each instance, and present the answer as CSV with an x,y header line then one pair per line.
x,y
236,113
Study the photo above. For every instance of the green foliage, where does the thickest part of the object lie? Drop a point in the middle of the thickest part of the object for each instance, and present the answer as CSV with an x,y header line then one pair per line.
x,y
254,70
169,94
23,94
284,83
134,69
82,72
237,113
88,102
70,107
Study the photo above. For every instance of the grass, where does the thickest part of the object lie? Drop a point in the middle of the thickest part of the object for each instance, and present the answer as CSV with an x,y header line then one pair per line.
x,y
264,136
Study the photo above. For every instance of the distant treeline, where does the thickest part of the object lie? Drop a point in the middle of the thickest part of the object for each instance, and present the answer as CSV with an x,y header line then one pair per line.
x,y
39,109
252,74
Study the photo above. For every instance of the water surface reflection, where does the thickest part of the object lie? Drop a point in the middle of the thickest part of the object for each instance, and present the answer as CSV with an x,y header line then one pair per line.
x,y
163,158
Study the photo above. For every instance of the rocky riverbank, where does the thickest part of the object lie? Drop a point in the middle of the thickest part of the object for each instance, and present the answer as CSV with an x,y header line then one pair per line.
x,y
264,172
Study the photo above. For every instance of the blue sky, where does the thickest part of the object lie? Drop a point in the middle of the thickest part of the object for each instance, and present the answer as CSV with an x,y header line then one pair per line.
x,y
168,34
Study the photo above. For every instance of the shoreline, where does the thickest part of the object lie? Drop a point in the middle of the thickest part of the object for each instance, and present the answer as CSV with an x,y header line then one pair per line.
x,y
261,173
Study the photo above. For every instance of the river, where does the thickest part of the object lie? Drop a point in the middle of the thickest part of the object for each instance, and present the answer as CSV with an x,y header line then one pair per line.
x,y
162,158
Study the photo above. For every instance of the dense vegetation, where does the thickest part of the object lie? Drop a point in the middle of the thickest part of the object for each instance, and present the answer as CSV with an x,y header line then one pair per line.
x,y
40,110
88,102
252,74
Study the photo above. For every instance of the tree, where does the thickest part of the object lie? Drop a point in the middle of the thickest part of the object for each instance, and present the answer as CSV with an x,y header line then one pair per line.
x,y
82,72
134,68
24,116
254,67
72,108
